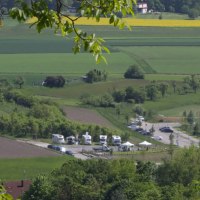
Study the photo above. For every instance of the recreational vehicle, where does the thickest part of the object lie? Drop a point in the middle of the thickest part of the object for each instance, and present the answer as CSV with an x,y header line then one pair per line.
x,y
57,138
87,139
70,140
116,140
103,139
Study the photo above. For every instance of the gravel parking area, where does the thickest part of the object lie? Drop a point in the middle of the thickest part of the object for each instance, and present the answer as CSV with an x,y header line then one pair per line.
x,y
180,139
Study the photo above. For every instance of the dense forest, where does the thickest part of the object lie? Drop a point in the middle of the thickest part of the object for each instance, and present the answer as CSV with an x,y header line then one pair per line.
x,y
97,179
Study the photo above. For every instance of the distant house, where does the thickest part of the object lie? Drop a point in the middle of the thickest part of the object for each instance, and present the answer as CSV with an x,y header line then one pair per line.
x,y
142,6
17,188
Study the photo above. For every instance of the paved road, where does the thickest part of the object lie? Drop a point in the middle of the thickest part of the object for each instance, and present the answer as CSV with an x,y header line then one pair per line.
x,y
180,139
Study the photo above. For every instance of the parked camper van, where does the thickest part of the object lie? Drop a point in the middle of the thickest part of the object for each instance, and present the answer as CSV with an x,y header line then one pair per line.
x,y
87,139
70,140
57,138
116,140
103,139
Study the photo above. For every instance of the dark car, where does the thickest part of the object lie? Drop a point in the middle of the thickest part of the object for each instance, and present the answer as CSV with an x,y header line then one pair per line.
x,y
50,146
166,130
139,129
68,152
57,148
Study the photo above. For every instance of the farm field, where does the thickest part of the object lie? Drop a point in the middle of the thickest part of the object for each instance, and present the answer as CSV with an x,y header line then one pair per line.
x,y
15,149
157,50
20,160
166,59
28,168
163,53
87,116
134,21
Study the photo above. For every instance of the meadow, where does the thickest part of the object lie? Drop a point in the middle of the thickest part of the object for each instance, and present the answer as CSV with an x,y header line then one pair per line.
x,y
22,168
23,51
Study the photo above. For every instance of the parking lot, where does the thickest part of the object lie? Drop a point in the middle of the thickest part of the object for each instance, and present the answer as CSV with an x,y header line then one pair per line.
x,y
180,139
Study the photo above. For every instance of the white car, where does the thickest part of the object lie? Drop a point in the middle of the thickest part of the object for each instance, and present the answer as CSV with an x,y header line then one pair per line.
x,y
62,149
140,118
157,137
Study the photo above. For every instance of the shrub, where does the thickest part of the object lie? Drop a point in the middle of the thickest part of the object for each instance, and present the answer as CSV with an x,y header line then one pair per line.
x,y
193,13
54,81
95,76
134,72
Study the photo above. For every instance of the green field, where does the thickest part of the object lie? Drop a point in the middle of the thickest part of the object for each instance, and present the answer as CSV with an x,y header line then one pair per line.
x,y
162,53
18,169
156,50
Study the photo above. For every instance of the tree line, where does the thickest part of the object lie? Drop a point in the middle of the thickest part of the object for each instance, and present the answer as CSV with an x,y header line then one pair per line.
x,y
118,179
150,91
190,7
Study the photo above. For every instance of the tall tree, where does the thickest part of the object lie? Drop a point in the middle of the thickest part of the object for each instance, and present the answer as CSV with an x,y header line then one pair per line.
x,y
19,81
174,85
163,88
151,91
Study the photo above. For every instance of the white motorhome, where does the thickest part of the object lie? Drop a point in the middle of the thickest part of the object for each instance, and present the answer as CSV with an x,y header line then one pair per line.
x,y
116,140
87,139
57,138
103,139
70,140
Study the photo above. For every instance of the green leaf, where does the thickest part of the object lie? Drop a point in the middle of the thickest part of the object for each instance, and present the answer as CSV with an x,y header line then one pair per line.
x,y
111,19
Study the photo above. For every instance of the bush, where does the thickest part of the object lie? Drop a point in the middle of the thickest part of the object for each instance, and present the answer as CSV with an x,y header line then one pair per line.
x,y
54,81
193,13
138,96
134,72
95,76
105,100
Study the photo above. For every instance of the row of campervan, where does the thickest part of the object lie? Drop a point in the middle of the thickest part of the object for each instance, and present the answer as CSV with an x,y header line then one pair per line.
x,y
87,139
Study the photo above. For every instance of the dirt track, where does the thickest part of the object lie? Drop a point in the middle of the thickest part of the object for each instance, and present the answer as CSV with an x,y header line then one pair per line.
x,y
16,149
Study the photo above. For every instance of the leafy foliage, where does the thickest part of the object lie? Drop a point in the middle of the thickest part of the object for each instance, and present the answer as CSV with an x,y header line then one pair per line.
x,y
4,195
134,72
105,100
96,75
98,179
54,81
19,81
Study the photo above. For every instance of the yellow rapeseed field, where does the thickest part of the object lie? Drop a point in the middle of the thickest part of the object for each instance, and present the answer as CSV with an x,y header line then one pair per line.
x,y
1,23
138,22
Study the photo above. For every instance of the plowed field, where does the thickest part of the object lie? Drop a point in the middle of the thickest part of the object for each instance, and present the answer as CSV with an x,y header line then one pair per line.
x,y
16,149
86,116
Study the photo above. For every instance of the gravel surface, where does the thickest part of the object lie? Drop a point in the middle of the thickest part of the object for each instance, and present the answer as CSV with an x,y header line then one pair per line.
x,y
180,139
